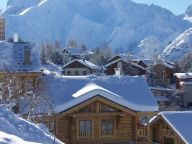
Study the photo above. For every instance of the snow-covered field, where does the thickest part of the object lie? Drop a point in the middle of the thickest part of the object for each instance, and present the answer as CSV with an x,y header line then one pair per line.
x,y
15,130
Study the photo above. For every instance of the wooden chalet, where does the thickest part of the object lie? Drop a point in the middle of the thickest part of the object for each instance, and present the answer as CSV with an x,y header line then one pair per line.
x,y
163,73
79,67
184,84
162,96
18,68
171,128
124,67
102,110
2,28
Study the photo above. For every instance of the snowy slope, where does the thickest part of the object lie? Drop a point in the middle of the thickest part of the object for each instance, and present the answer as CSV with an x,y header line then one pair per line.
x,y
181,46
150,48
19,131
122,23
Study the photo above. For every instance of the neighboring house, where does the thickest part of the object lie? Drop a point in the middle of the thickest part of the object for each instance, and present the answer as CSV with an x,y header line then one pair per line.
x,y
171,128
2,28
19,66
163,73
76,53
79,67
122,66
102,109
184,83
143,62
162,96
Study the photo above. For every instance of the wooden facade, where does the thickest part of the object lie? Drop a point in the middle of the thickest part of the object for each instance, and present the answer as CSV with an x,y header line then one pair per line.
x,y
163,75
77,68
162,133
126,68
2,28
101,121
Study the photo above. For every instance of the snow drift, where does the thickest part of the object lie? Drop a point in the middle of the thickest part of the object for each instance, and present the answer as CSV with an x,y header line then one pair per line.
x,y
16,130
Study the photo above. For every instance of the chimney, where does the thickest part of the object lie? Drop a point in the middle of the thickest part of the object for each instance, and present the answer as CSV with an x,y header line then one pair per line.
x,y
15,37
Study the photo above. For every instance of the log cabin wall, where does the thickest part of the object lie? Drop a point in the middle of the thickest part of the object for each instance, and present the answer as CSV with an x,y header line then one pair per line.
x,y
162,133
124,126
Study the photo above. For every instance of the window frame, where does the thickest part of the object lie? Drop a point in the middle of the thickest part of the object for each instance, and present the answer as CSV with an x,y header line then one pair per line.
x,y
114,128
76,73
78,128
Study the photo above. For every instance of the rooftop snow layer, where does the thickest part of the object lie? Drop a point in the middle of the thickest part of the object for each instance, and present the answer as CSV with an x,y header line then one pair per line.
x,y
68,91
183,75
84,62
14,129
181,123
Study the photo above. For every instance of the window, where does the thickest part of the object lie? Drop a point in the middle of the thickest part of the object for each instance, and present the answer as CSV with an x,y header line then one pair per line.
x,y
85,128
76,72
26,54
68,72
168,140
142,121
107,127
51,126
84,73
105,108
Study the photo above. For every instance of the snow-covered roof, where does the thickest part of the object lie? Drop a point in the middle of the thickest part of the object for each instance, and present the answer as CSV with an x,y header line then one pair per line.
x,y
125,57
162,98
168,64
12,57
84,62
183,75
130,92
121,59
161,89
14,129
147,62
180,121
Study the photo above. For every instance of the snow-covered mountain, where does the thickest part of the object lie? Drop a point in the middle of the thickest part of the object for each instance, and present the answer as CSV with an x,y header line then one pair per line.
x,y
181,46
188,14
150,48
120,23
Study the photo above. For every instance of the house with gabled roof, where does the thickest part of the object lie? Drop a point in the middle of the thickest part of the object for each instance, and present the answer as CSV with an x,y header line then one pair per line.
x,y
79,67
106,109
20,62
123,67
184,84
171,128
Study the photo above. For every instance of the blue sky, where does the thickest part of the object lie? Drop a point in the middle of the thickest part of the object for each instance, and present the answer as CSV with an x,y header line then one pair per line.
x,y
176,6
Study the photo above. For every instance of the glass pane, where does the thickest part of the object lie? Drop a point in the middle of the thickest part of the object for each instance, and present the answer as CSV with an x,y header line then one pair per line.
x,y
106,127
85,128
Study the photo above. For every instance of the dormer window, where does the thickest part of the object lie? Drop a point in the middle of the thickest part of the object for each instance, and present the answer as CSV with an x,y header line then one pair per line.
x,y
26,56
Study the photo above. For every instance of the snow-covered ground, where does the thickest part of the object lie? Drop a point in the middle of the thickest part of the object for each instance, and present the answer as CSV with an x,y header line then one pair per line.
x,y
15,130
